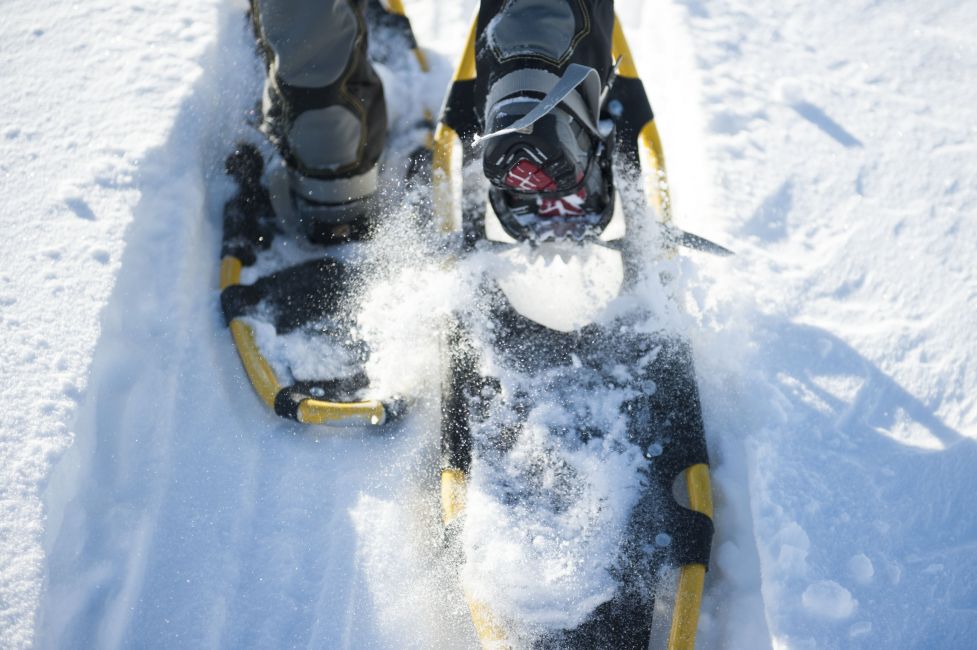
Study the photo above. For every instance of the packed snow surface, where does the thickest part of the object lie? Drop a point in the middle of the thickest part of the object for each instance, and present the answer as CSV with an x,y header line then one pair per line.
x,y
148,499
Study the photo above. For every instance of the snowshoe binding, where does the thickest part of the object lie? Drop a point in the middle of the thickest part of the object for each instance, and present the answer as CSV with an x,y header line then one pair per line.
x,y
548,162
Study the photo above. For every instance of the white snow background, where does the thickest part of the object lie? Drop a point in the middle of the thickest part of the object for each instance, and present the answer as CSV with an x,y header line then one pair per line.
x,y
147,499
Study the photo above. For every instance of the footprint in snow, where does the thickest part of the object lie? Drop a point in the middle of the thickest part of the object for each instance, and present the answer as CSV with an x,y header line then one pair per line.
x,y
80,208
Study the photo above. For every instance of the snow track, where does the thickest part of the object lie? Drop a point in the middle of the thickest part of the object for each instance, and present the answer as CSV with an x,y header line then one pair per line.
x,y
185,514
830,145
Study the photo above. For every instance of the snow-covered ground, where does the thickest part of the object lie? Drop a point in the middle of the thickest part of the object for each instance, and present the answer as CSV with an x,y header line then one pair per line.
x,y
148,500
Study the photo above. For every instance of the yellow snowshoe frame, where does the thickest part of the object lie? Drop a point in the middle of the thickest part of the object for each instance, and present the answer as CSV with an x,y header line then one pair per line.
x,y
688,596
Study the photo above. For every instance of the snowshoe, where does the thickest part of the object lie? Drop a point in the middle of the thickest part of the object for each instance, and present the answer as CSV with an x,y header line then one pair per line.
x,y
289,295
545,425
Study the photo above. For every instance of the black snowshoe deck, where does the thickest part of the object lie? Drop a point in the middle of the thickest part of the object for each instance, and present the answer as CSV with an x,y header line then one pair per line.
x,y
481,420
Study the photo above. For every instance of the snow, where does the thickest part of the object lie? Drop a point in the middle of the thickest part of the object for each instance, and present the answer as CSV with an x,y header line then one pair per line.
x,y
148,499
827,599
519,554
838,138
89,90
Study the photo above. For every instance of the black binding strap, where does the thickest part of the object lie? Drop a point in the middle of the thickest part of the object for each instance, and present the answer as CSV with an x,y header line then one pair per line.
x,y
249,219
295,296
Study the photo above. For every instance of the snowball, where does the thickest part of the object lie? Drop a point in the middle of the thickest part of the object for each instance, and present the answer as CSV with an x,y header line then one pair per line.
x,y
861,568
827,599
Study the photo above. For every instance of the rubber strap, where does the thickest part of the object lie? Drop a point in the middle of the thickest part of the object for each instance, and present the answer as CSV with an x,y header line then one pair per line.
x,y
575,76
540,81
